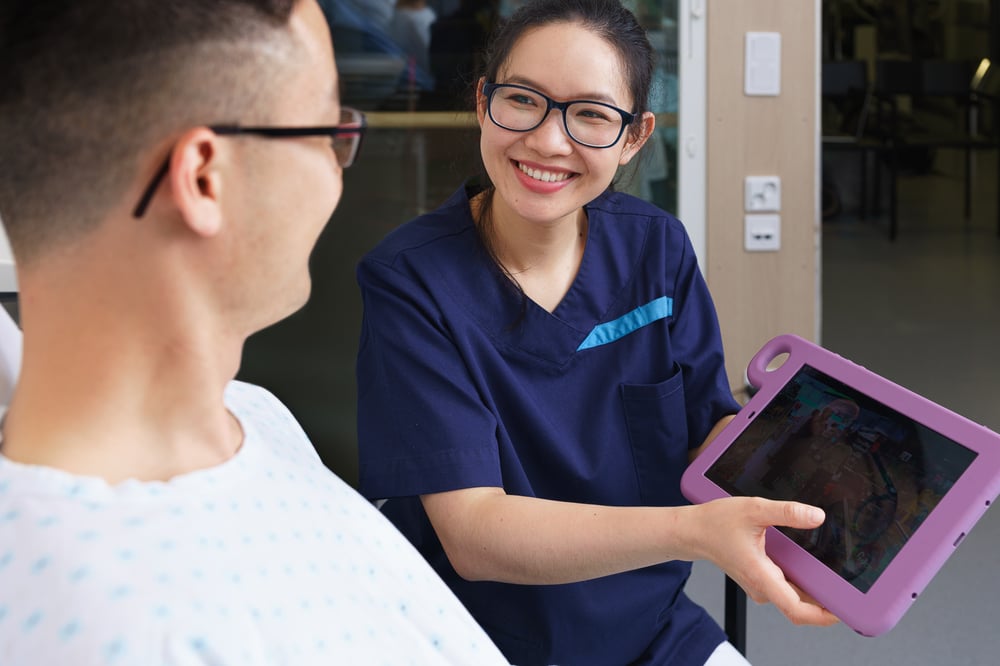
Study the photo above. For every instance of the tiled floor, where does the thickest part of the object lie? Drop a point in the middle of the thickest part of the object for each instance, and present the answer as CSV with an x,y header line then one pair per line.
x,y
923,311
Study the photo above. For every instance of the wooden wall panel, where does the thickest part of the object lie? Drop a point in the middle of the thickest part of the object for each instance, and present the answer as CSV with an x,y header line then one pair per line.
x,y
761,294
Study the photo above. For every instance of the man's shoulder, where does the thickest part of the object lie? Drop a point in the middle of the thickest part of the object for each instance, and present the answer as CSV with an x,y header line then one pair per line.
x,y
255,403
267,423
239,392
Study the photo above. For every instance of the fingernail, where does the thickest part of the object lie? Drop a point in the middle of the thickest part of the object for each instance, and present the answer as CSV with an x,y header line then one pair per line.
x,y
816,515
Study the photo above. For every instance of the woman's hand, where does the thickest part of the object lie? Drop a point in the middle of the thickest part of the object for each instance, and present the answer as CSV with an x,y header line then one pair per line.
x,y
730,533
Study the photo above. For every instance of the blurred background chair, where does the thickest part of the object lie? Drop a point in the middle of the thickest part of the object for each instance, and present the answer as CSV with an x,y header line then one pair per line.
x,y
847,104
736,615
925,106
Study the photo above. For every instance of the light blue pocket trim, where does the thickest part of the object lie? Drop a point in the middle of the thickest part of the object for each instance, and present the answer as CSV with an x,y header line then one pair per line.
x,y
602,334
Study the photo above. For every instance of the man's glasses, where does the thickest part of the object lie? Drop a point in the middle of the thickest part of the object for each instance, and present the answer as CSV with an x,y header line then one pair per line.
x,y
522,109
345,139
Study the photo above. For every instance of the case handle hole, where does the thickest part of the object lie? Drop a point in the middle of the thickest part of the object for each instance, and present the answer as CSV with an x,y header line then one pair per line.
x,y
777,362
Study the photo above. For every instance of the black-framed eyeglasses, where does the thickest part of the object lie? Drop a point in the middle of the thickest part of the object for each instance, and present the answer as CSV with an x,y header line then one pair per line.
x,y
345,139
521,109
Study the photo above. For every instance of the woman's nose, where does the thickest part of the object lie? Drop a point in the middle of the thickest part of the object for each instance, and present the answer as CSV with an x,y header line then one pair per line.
x,y
550,137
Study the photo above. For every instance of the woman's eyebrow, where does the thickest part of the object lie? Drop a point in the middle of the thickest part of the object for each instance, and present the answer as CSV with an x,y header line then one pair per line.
x,y
591,96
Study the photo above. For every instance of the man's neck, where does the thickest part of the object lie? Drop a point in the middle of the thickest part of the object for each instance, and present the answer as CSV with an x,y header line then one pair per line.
x,y
118,395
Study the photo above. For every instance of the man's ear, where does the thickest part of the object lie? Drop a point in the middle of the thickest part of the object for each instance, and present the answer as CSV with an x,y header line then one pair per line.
x,y
196,180
647,123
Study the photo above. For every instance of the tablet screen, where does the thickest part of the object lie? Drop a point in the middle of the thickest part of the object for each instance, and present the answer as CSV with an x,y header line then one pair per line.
x,y
876,473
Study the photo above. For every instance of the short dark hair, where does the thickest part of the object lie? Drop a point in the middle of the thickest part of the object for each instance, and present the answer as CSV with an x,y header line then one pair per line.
x,y
88,86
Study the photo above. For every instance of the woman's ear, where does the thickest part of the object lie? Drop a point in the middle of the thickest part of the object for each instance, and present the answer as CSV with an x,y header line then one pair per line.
x,y
195,178
647,123
480,102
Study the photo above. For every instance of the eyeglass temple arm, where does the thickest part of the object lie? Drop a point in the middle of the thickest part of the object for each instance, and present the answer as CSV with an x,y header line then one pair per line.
x,y
147,196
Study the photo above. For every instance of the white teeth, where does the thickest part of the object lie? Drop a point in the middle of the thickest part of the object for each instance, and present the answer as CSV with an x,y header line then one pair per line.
x,y
544,176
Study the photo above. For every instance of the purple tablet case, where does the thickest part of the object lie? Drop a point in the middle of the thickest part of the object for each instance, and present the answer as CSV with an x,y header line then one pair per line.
x,y
902,479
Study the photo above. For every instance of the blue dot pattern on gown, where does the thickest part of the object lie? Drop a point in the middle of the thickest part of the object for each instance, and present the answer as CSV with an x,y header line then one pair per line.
x,y
266,559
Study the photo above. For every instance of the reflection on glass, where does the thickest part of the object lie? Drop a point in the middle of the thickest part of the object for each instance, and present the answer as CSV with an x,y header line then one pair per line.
x,y
660,173
410,29
409,54
411,163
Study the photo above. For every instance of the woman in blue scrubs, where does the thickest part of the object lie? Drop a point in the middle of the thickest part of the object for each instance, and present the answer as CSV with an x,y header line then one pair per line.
x,y
540,359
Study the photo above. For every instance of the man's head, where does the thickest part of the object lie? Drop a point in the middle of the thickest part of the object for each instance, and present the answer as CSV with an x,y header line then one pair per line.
x,y
95,95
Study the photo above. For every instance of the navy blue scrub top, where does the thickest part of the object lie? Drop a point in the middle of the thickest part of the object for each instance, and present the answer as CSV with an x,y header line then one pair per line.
x,y
464,383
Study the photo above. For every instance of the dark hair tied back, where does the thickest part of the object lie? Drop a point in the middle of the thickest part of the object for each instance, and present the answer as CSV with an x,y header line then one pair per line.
x,y
605,18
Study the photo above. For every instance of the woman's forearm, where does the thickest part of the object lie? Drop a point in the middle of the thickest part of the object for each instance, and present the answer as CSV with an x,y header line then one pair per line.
x,y
489,535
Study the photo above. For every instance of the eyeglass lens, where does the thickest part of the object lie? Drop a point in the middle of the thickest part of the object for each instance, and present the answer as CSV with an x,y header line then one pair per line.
x,y
590,123
346,145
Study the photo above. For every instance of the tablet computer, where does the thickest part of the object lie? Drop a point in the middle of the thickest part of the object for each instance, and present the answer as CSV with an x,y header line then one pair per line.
x,y
902,480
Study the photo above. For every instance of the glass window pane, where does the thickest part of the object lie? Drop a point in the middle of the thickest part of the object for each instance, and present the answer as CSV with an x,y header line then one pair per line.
x,y
409,164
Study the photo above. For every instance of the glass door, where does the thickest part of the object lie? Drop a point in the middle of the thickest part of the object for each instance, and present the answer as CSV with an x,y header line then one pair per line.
x,y
672,175
410,64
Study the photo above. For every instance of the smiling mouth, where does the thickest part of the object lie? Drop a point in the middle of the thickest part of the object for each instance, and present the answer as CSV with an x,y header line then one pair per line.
x,y
544,176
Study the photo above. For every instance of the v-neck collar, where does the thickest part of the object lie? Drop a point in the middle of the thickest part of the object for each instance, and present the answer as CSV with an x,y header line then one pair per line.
x,y
521,325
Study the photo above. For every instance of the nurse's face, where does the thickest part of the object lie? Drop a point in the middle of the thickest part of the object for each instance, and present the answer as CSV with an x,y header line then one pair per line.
x,y
543,176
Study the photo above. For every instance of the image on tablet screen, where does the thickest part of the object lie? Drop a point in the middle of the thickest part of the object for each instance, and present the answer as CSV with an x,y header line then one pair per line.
x,y
876,473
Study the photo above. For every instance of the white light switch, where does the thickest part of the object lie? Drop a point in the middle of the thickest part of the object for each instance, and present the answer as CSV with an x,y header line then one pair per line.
x,y
762,194
762,75
762,233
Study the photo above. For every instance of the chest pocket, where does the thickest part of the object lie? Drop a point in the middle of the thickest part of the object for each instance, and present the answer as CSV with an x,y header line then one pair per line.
x,y
656,420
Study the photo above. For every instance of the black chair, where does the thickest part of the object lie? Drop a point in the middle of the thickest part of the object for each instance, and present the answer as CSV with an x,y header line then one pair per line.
x,y
736,615
948,108
847,107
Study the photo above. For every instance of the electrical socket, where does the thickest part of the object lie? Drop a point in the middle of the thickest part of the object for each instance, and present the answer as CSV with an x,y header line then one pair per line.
x,y
762,233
